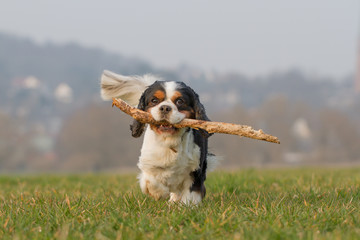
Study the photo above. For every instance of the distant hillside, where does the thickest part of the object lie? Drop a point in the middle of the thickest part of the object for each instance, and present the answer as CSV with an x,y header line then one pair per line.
x,y
81,67
77,66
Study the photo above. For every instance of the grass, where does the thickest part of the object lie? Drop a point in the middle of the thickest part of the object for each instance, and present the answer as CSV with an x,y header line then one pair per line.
x,y
248,204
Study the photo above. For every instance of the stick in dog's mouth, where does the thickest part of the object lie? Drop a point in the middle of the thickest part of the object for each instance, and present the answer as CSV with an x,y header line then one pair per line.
x,y
210,127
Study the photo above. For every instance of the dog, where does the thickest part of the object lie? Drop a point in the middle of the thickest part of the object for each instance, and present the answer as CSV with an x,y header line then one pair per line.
x,y
173,162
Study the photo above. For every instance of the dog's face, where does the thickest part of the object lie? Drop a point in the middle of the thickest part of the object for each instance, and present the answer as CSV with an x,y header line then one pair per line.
x,y
169,102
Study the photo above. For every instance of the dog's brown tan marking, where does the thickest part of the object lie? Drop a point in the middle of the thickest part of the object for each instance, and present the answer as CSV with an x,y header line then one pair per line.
x,y
146,188
188,114
175,96
154,192
159,95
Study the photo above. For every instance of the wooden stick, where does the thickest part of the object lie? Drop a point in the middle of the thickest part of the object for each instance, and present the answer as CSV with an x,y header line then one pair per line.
x,y
210,127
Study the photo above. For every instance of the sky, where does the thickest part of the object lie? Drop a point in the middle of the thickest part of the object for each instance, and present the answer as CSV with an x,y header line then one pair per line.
x,y
250,37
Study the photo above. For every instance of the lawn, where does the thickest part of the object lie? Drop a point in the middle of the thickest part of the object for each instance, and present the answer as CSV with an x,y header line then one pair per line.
x,y
247,204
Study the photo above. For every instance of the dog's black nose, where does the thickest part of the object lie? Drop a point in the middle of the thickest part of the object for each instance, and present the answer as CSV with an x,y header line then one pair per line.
x,y
165,109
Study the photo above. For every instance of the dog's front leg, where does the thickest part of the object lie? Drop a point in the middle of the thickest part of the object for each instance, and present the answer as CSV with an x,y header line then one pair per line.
x,y
190,195
149,185
175,197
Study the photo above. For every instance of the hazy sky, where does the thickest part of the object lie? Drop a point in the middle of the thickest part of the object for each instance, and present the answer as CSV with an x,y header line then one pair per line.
x,y
252,37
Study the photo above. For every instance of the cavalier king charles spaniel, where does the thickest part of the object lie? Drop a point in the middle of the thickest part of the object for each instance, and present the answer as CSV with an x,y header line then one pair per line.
x,y
173,161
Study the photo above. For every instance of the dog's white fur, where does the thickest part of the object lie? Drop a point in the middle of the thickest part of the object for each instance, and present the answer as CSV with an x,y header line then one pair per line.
x,y
166,160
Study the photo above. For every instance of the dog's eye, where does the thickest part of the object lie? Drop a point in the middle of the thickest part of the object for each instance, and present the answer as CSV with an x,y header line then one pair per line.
x,y
154,101
179,102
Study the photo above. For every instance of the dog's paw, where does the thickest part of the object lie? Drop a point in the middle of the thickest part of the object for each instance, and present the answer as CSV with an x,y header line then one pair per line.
x,y
174,197
191,198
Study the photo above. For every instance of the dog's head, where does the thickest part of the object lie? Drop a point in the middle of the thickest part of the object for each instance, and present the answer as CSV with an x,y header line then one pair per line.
x,y
169,102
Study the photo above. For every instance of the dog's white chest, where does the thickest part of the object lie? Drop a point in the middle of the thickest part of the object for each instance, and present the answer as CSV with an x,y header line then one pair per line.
x,y
169,160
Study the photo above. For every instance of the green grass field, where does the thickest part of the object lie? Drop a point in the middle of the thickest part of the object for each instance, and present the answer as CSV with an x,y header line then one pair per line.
x,y
248,204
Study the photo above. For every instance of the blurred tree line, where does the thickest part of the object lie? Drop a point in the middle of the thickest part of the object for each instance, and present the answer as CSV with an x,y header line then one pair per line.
x,y
97,138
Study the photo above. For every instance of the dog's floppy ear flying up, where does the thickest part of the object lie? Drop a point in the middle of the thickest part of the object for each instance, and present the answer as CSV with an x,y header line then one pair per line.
x,y
128,88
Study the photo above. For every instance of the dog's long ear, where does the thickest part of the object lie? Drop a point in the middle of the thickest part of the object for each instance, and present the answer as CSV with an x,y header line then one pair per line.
x,y
128,88
137,128
200,113
199,109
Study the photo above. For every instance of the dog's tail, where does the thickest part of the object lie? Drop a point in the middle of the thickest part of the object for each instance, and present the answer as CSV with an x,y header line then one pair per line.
x,y
213,161
128,88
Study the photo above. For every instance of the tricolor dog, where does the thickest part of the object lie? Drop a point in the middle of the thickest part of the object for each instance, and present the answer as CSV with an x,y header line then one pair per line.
x,y
173,162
